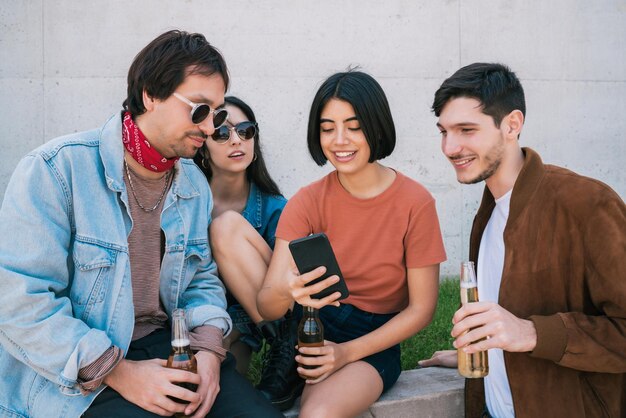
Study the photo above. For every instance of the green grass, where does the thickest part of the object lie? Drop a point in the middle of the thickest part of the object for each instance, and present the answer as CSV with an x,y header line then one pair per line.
x,y
421,346
256,367
435,336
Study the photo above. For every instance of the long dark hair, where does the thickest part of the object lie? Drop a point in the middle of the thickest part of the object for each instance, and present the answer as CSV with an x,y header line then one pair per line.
x,y
257,171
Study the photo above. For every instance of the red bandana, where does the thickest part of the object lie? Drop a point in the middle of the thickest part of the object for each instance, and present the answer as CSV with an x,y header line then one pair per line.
x,y
136,143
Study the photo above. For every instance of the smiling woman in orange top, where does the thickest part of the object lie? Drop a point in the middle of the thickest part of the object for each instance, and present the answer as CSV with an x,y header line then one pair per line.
x,y
384,229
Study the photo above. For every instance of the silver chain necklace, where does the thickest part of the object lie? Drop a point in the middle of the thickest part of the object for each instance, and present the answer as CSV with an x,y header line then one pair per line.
x,y
132,189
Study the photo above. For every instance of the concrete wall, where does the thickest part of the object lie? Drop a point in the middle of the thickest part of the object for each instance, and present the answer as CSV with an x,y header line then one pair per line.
x,y
63,65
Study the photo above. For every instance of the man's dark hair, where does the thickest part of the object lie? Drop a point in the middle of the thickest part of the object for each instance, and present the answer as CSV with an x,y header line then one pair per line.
x,y
495,86
257,171
164,63
370,107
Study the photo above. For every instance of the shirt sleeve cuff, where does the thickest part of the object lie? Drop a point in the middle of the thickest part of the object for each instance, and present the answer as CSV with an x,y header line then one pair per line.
x,y
208,338
91,376
551,337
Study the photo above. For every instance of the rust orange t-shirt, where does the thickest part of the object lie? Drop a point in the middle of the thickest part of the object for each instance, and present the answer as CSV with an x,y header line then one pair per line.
x,y
375,240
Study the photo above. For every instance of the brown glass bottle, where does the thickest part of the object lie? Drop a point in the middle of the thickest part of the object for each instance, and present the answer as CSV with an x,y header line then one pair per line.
x,y
181,356
310,332
477,364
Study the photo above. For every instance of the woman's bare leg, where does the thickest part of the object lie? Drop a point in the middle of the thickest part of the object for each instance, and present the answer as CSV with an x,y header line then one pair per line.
x,y
346,393
242,256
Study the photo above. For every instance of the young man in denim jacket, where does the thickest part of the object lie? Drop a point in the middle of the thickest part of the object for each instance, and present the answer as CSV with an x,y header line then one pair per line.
x,y
79,333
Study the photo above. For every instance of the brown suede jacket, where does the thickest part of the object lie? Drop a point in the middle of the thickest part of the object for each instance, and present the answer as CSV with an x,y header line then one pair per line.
x,y
565,270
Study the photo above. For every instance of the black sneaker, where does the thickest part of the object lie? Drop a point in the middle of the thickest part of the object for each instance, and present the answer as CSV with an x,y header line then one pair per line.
x,y
280,382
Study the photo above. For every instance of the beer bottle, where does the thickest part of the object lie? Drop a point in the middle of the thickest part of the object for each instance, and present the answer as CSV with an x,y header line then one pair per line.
x,y
310,332
181,356
477,364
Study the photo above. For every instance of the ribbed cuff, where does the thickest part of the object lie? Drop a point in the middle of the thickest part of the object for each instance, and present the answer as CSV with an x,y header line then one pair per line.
x,y
91,376
208,338
551,337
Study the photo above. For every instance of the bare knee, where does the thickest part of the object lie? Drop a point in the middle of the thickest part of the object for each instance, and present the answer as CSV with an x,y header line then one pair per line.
x,y
315,410
316,407
224,229
348,392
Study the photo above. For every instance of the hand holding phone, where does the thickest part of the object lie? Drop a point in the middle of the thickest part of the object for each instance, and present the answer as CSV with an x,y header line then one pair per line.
x,y
313,251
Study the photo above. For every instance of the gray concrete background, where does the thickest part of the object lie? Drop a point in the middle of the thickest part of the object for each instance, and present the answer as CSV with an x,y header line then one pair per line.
x,y
63,66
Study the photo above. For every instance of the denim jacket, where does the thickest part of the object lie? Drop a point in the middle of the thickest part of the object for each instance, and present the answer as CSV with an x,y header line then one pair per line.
x,y
263,211
65,282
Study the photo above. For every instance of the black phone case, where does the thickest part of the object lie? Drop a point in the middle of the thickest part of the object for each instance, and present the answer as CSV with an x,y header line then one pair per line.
x,y
314,251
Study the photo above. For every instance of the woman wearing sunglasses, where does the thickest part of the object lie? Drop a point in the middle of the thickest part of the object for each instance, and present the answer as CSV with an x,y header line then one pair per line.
x,y
385,233
247,205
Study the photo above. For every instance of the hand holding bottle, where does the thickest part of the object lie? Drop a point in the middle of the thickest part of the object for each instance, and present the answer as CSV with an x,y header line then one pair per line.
x,y
181,357
476,364
474,322
209,366
151,386
310,334
317,357
324,361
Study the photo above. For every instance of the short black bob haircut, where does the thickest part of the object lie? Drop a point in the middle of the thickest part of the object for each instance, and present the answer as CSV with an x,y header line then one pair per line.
x,y
370,107
162,65
495,86
256,172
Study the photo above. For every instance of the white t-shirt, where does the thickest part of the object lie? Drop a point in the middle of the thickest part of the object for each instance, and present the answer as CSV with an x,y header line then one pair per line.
x,y
490,265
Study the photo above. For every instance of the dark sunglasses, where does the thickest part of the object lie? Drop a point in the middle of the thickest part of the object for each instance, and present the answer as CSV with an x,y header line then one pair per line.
x,y
200,111
245,130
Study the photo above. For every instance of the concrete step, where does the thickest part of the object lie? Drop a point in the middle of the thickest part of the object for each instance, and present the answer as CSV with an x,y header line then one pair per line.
x,y
433,392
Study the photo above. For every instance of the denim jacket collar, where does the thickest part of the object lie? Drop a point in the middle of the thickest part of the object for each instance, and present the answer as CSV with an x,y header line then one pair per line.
x,y
253,211
112,156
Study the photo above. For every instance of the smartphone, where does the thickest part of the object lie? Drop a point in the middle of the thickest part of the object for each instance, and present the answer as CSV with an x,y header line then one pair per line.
x,y
313,251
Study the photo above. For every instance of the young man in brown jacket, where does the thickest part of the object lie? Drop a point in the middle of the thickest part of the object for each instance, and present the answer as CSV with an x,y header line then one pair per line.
x,y
550,247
